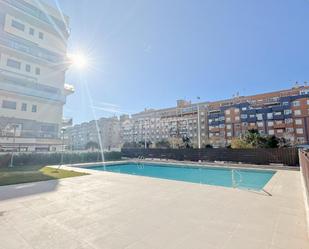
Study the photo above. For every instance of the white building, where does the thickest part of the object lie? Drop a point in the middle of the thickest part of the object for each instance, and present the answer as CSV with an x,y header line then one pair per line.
x,y
33,62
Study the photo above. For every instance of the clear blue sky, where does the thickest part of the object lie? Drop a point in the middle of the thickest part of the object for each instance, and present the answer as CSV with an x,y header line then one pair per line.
x,y
149,53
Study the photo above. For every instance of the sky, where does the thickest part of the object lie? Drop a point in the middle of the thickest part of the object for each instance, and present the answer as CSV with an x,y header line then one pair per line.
x,y
149,53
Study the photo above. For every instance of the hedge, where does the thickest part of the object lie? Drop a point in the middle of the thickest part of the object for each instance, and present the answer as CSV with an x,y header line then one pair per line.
x,y
26,159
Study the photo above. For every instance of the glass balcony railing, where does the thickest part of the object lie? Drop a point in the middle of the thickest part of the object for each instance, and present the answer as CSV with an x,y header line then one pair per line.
x,y
39,14
40,53
34,92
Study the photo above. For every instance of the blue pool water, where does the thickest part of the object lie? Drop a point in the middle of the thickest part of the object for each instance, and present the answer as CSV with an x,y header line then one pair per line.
x,y
227,177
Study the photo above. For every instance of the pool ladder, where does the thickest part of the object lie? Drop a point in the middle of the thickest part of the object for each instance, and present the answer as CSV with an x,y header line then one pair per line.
x,y
235,184
139,163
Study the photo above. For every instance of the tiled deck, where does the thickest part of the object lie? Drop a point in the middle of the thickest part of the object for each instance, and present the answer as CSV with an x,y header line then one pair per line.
x,y
113,211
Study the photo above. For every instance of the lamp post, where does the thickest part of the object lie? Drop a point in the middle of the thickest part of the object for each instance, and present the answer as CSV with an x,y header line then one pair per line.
x,y
62,144
198,124
14,138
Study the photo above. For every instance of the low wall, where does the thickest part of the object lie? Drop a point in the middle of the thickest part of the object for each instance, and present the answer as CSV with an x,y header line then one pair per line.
x,y
285,156
304,167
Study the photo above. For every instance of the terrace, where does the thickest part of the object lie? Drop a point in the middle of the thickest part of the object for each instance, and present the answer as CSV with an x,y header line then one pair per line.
x,y
109,210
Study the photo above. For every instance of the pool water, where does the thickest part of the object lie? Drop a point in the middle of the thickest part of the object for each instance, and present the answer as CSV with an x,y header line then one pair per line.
x,y
227,177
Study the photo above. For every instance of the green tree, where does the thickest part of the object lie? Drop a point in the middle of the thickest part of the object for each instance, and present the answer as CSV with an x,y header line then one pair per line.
x,y
163,144
92,145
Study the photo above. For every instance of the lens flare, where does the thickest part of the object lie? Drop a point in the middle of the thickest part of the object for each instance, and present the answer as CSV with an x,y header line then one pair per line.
x,y
79,60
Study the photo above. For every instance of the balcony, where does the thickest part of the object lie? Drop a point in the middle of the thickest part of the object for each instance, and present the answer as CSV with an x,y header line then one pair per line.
x,y
279,126
7,86
68,89
39,14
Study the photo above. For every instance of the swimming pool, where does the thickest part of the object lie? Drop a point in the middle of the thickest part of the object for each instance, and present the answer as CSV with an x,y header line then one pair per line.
x,y
219,176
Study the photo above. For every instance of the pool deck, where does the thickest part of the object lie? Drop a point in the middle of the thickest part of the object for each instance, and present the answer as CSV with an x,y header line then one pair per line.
x,y
112,211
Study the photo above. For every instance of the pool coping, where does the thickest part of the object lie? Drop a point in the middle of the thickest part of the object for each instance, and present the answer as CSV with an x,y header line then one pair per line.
x,y
190,163
267,189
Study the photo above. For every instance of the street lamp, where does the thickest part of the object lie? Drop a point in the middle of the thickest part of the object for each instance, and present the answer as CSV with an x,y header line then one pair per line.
x,y
198,124
14,138
62,144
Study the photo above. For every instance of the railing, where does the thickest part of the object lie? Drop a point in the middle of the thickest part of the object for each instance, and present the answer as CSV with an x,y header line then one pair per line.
x,y
304,166
285,156
37,13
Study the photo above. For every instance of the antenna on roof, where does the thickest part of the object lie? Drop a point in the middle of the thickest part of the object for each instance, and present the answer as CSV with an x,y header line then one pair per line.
x,y
296,84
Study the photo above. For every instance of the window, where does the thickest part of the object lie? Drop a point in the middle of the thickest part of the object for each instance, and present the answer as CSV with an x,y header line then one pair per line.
x,y
296,103
227,112
270,123
31,31
18,25
28,68
237,118
260,124
299,131
14,64
244,108
298,122
228,119
229,134
285,103
236,110
297,112
243,116
229,126
24,107
280,131
288,121
290,130
34,108
287,112
9,104
271,132
308,102
37,71
270,115
259,116
41,35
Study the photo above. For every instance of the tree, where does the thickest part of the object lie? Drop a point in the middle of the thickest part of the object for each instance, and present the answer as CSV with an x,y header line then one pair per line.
x,y
163,144
92,145
239,143
186,142
253,139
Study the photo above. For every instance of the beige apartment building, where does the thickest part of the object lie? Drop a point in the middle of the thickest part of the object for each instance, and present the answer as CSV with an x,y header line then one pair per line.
x,y
105,131
33,63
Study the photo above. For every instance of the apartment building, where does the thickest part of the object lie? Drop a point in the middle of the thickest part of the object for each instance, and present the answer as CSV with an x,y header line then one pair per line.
x,y
33,63
184,120
105,131
283,113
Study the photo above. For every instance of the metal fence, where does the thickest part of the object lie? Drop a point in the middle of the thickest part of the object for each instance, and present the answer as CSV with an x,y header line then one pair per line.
x,y
285,156
304,166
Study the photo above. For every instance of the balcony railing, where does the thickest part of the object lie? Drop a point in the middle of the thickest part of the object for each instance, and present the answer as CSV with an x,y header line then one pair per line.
x,y
39,14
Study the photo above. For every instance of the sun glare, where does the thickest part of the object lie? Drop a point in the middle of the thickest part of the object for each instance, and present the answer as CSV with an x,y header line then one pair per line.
x,y
79,60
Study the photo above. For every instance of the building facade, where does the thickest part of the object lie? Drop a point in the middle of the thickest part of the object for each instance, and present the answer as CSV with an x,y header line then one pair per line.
x,y
105,131
33,63
284,114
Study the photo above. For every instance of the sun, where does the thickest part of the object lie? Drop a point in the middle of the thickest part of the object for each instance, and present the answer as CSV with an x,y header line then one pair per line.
x,y
79,60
